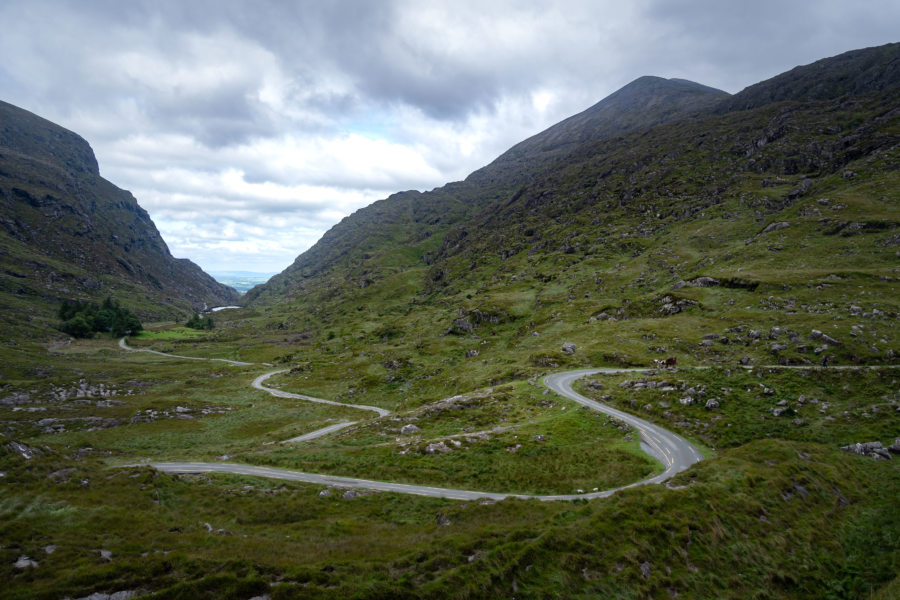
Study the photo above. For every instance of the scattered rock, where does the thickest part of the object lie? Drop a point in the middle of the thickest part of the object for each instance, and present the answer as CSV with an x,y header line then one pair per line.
x,y
697,282
646,569
895,447
325,493
830,340
61,476
123,595
673,306
871,449
687,401
436,448
775,227
442,520
106,555
26,452
24,562
409,428
471,353
569,348
712,404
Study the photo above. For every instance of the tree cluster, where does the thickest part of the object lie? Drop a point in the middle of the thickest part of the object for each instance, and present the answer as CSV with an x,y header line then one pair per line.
x,y
198,322
83,320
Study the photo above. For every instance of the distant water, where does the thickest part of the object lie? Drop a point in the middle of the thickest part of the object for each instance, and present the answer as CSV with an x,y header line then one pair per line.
x,y
241,280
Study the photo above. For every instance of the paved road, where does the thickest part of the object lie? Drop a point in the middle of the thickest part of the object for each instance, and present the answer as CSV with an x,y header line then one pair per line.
x,y
124,346
319,432
258,384
674,452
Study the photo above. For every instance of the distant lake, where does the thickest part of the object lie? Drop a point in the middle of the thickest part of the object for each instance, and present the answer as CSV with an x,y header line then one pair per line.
x,y
241,280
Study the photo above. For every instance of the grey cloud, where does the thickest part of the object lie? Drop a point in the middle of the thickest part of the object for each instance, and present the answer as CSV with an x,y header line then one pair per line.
x,y
173,94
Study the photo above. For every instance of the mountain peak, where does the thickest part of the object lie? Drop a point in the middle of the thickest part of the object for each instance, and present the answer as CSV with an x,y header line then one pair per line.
x,y
646,102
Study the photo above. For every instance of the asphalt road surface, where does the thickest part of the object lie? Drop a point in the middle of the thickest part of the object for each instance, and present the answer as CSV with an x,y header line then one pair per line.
x,y
674,452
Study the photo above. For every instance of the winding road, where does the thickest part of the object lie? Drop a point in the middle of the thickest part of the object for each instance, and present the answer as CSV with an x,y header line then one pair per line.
x,y
674,452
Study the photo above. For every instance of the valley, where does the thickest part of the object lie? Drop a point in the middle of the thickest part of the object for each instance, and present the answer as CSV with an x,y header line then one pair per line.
x,y
388,417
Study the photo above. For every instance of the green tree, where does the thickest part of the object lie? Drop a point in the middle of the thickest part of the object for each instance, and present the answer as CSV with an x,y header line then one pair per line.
x,y
80,326
81,319
198,322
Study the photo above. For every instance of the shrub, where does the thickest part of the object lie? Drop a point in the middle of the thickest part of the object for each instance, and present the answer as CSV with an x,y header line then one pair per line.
x,y
198,322
82,320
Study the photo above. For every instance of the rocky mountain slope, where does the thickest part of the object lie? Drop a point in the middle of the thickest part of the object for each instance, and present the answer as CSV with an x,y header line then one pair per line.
x,y
663,180
404,231
65,232
780,215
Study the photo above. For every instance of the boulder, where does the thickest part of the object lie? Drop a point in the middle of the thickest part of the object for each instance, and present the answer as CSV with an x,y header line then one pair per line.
x,y
569,348
775,227
712,404
895,447
409,428
436,448
870,449
24,562
830,340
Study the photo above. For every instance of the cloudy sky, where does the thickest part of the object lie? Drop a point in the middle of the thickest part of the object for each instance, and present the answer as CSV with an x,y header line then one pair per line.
x,y
248,128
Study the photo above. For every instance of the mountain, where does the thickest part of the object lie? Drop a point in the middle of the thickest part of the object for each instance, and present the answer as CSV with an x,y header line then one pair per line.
x,y
593,218
737,235
65,232
851,73
642,104
403,231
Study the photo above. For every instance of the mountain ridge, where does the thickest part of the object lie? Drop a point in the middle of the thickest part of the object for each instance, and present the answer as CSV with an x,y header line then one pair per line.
x,y
454,202
504,180
66,232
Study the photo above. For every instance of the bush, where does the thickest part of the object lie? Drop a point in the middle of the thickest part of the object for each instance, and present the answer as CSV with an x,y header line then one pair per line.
x,y
82,320
198,322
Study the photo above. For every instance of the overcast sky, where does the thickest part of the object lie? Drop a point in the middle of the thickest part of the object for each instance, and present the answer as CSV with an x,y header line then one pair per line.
x,y
248,128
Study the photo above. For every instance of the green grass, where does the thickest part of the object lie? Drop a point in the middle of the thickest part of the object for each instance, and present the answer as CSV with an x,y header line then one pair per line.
x,y
513,439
